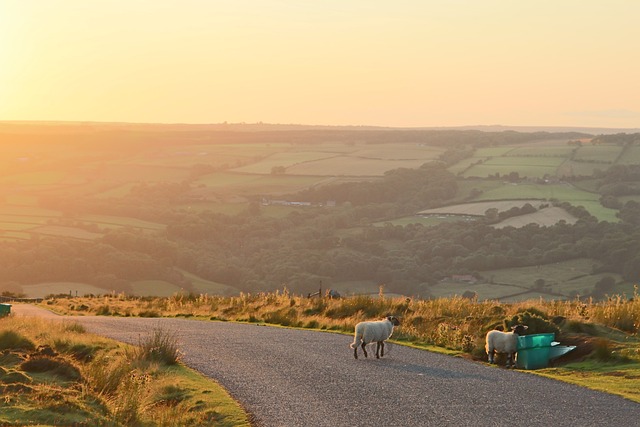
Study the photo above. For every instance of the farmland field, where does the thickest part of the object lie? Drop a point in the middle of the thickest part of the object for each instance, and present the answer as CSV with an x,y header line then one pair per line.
x,y
531,167
83,189
562,277
563,151
562,192
244,183
598,153
479,208
562,280
352,166
62,231
544,217
631,156
484,291
286,160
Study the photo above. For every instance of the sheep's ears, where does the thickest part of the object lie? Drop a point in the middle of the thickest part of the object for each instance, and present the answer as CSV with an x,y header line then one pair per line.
x,y
525,326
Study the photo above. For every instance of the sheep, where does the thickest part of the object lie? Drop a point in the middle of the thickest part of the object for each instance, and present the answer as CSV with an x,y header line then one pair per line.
x,y
373,331
504,342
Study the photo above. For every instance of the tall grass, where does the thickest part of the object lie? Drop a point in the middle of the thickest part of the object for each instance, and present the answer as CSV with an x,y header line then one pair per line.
x,y
456,323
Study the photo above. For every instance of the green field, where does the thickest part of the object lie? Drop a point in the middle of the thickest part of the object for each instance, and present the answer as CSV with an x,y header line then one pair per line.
x,y
531,167
288,159
243,183
631,156
598,153
563,280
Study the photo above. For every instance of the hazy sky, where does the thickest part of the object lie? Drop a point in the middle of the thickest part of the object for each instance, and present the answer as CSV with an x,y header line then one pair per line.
x,y
326,62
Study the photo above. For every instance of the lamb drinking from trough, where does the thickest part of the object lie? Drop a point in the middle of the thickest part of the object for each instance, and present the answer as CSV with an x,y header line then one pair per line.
x,y
504,342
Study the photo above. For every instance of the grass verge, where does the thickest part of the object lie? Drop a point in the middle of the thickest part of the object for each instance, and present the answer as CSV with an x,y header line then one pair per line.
x,y
54,373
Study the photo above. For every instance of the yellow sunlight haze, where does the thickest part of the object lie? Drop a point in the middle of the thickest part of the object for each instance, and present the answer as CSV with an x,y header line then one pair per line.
x,y
358,62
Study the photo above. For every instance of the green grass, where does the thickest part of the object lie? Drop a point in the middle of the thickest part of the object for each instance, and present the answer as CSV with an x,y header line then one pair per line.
x,y
352,166
531,167
427,221
483,153
631,156
598,153
562,150
563,277
615,378
286,159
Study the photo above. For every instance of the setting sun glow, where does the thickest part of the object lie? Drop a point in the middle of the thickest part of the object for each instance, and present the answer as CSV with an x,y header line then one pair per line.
x,y
357,62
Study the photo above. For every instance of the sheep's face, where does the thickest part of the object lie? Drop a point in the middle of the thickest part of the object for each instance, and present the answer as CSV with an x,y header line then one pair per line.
x,y
519,329
394,320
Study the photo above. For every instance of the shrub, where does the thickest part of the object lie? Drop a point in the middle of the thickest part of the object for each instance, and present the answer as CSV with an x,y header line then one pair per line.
x,y
103,310
149,313
74,327
57,366
536,323
105,374
11,340
161,346
79,351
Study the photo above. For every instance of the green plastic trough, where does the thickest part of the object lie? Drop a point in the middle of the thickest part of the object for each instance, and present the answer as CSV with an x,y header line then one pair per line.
x,y
5,310
533,351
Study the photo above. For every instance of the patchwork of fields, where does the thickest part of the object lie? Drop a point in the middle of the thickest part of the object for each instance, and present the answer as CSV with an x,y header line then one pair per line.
x,y
225,176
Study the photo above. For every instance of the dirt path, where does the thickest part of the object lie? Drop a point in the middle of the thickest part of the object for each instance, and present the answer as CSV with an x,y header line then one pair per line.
x,y
289,378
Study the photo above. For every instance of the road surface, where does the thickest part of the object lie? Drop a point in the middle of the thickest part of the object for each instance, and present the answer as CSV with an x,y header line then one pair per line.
x,y
288,378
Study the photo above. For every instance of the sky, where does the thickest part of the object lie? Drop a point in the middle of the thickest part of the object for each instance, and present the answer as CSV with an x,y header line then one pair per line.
x,y
404,63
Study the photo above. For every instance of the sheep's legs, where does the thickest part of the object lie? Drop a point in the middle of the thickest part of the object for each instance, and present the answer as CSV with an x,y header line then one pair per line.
x,y
510,361
363,349
490,353
380,346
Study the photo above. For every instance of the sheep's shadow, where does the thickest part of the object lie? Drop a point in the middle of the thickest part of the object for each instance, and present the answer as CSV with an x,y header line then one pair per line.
x,y
412,368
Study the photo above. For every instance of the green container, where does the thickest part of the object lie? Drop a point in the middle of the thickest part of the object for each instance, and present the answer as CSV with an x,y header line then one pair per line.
x,y
533,351
535,341
5,309
533,358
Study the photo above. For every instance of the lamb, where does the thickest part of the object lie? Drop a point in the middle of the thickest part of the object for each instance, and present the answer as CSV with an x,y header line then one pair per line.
x,y
504,342
373,331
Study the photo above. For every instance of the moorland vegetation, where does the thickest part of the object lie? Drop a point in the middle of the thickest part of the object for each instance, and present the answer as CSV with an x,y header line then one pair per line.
x,y
56,373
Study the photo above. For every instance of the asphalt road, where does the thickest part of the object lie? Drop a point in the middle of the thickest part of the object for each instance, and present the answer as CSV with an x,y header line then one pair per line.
x,y
289,378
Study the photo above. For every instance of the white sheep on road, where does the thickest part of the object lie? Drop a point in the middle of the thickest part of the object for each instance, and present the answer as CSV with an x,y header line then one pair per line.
x,y
373,331
504,342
